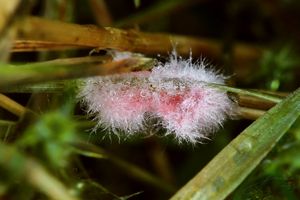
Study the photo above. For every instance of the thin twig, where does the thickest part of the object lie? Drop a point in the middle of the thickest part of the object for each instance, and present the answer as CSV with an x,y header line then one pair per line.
x,y
132,170
11,105
33,28
250,113
7,10
101,12
33,45
259,95
254,102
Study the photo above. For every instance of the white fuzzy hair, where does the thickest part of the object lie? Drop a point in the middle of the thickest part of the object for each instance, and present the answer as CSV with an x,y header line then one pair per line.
x,y
174,91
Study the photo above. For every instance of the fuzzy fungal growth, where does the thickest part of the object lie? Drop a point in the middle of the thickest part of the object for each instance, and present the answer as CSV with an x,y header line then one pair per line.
x,y
174,92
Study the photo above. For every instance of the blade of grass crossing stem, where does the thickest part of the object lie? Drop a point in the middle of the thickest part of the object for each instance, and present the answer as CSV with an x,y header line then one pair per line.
x,y
235,162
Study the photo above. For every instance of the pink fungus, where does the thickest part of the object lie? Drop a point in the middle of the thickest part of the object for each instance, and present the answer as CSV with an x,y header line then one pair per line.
x,y
174,92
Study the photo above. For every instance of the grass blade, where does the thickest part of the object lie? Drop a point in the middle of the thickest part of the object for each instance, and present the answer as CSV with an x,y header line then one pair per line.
x,y
238,159
51,71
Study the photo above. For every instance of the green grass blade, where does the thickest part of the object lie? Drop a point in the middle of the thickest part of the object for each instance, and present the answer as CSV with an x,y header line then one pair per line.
x,y
239,158
42,72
